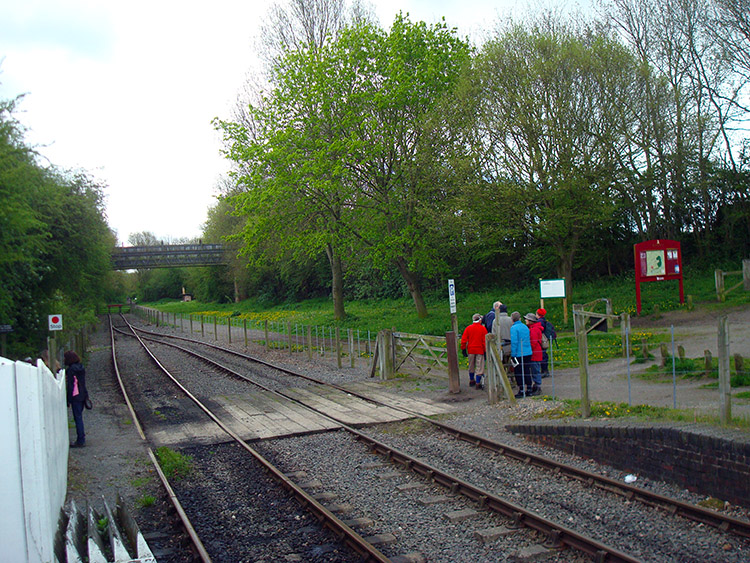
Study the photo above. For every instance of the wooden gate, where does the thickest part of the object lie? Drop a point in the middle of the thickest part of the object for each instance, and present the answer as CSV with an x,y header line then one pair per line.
x,y
423,351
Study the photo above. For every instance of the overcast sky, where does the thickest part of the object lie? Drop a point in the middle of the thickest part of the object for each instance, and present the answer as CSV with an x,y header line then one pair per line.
x,y
127,91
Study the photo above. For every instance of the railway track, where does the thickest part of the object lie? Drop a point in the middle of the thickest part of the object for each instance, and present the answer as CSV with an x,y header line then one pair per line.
x,y
553,533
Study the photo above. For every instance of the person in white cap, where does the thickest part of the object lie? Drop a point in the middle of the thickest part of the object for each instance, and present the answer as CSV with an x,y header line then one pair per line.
x,y
473,347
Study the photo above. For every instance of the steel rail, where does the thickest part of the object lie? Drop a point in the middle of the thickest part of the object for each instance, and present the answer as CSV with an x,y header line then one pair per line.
x,y
195,540
343,532
630,492
557,534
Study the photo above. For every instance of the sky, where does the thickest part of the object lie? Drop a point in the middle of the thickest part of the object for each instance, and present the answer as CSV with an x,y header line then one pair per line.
x,y
127,92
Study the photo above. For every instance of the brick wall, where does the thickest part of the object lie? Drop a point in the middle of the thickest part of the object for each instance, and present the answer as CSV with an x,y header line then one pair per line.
x,y
702,462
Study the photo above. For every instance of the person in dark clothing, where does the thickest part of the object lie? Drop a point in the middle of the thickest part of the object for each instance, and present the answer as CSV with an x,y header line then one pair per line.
x,y
544,365
75,380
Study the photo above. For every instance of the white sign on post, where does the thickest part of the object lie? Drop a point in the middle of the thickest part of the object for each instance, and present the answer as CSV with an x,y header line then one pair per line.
x,y
551,288
452,295
55,322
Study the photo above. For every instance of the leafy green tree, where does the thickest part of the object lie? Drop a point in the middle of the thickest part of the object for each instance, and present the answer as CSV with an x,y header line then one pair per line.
x,y
54,240
341,158
547,130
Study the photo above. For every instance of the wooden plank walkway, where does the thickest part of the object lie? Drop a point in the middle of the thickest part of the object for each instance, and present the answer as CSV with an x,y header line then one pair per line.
x,y
262,415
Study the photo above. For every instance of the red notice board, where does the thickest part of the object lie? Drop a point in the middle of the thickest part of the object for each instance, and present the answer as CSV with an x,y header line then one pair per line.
x,y
657,260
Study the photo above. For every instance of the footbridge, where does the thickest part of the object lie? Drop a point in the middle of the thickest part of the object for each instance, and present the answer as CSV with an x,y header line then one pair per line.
x,y
169,256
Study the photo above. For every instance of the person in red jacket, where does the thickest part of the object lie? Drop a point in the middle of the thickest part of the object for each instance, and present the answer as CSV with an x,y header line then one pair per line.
x,y
535,332
473,347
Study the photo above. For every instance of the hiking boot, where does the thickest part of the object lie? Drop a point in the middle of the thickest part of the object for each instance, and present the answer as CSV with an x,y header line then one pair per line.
x,y
472,383
520,395
480,386
536,391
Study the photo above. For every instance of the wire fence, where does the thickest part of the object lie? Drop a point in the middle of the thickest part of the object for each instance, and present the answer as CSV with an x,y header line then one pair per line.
x,y
624,367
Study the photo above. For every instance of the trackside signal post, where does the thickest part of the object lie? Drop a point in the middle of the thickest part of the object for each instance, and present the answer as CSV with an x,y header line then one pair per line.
x,y
657,260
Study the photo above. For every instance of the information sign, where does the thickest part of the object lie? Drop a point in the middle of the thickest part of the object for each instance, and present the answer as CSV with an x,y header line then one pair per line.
x,y
657,260
452,295
551,288
55,322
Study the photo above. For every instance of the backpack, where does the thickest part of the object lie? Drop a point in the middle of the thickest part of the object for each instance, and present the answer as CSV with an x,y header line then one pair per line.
x,y
549,331
545,342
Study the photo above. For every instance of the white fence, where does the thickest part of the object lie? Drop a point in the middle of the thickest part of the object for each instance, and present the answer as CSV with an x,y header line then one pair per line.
x,y
34,450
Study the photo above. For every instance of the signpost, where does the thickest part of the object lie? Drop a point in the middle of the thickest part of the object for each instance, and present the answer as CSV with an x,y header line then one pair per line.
x,y
452,302
549,289
657,260
55,322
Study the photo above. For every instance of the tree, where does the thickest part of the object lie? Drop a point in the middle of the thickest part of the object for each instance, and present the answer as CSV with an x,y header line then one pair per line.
x,y
54,240
546,127
397,153
690,100
341,150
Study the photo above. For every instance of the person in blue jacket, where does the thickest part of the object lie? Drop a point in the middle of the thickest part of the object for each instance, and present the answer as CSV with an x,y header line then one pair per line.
x,y
520,355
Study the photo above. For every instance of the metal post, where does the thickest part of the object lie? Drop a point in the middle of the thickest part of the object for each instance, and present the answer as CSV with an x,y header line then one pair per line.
x,y
244,328
265,328
289,335
229,329
674,375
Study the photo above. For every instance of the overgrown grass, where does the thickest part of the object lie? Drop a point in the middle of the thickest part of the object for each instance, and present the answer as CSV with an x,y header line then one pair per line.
x,y
174,464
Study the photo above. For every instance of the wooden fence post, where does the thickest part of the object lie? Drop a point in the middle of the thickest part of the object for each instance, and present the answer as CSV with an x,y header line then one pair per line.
x,y
265,328
708,362
351,348
579,326
725,390
309,342
454,384
625,330
338,347
229,329
244,328
739,364
385,346
746,274
719,281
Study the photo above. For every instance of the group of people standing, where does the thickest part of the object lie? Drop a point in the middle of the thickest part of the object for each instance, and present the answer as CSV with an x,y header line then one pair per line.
x,y
522,343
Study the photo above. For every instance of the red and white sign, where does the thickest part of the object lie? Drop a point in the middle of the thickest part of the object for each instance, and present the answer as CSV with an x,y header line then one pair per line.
x,y
657,260
55,322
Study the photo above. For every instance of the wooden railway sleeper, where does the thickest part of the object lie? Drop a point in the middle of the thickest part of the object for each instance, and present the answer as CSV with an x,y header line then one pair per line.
x,y
554,539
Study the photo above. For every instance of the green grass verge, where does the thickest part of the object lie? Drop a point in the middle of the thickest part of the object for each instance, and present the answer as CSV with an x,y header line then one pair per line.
x,y
571,409
375,315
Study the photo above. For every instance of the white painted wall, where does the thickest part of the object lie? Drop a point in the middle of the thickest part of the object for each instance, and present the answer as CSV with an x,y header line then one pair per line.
x,y
34,454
